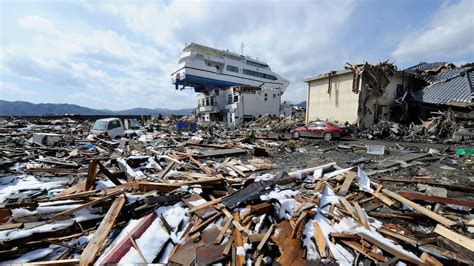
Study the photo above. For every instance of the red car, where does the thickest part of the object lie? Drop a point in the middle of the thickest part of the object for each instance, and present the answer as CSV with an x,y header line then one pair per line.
x,y
318,129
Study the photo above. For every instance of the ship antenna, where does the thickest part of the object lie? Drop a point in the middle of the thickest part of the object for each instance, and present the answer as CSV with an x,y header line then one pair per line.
x,y
242,45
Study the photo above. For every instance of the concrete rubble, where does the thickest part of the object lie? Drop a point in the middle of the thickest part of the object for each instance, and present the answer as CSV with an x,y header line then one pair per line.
x,y
174,195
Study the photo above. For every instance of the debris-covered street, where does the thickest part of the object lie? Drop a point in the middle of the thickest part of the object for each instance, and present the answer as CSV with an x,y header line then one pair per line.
x,y
216,195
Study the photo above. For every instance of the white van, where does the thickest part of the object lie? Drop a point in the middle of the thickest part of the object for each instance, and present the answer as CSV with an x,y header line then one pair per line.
x,y
111,127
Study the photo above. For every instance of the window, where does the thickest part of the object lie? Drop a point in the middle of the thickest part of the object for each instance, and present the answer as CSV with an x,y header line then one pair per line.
x,y
207,101
212,100
256,64
216,92
229,99
274,96
236,98
202,102
232,68
114,124
258,74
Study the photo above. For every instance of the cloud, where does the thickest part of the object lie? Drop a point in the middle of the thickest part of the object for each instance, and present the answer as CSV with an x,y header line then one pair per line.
x,y
288,35
450,33
11,90
127,54
38,24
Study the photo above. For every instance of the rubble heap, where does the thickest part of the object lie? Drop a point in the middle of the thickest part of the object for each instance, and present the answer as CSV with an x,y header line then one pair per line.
x,y
445,127
164,196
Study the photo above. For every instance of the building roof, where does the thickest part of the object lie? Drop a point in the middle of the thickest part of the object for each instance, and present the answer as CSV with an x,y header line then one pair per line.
x,y
326,75
423,66
449,87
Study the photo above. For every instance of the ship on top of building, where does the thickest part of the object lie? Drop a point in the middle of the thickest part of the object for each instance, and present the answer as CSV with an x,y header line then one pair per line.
x,y
204,68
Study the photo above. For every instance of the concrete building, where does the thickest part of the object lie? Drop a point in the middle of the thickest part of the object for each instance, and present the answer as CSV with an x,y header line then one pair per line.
x,y
363,94
237,104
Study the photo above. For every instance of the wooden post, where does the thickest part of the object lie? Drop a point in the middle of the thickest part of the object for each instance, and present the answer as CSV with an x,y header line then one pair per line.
x,y
91,172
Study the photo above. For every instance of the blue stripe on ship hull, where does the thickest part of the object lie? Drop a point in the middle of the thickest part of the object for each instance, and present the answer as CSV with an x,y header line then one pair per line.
x,y
195,81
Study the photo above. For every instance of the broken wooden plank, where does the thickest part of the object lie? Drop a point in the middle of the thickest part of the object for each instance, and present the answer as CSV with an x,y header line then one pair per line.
x,y
359,248
424,197
263,241
205,223
455,237
347,183
239,243
430,260
166,170
399,236
204,205
221,235
362,216
95,244
419,208
320,240
220,153
91,173
388,248
108,174
85,205
466,188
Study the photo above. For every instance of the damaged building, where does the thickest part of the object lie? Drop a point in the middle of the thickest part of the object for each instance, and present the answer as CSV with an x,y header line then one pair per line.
x,y
367,94
237,104
440,86
361,94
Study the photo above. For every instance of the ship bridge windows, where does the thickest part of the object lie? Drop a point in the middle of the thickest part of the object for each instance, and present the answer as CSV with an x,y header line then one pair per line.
x,y
256,64
258,74
232,68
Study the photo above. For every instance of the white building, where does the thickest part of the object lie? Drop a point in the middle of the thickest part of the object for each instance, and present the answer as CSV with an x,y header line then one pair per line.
x,y
238,104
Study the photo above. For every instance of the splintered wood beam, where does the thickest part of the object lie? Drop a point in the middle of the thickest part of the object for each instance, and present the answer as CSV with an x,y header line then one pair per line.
x,y
206,204
223,231
362,217
424,197
384,246
347,183
430,260
206,170
108,174
166,170
91,173
95,244
320,240
376,257
440,219
205,223
239,243
263,241
383,199
85,205
455,237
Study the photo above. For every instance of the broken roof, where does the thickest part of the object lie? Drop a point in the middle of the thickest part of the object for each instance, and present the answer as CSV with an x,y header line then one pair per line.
x,y
447,84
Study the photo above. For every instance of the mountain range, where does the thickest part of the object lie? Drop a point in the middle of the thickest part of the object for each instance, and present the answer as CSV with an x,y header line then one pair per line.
x,y
21,108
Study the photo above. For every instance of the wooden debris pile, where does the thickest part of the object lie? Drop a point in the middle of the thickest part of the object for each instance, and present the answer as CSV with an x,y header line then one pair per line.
x,y
186,198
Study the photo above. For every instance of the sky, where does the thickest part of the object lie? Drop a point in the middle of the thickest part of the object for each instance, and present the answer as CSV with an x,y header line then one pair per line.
x,y
120,54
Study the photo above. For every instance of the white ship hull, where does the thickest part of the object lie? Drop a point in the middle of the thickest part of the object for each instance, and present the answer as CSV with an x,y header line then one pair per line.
x,y
204,68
